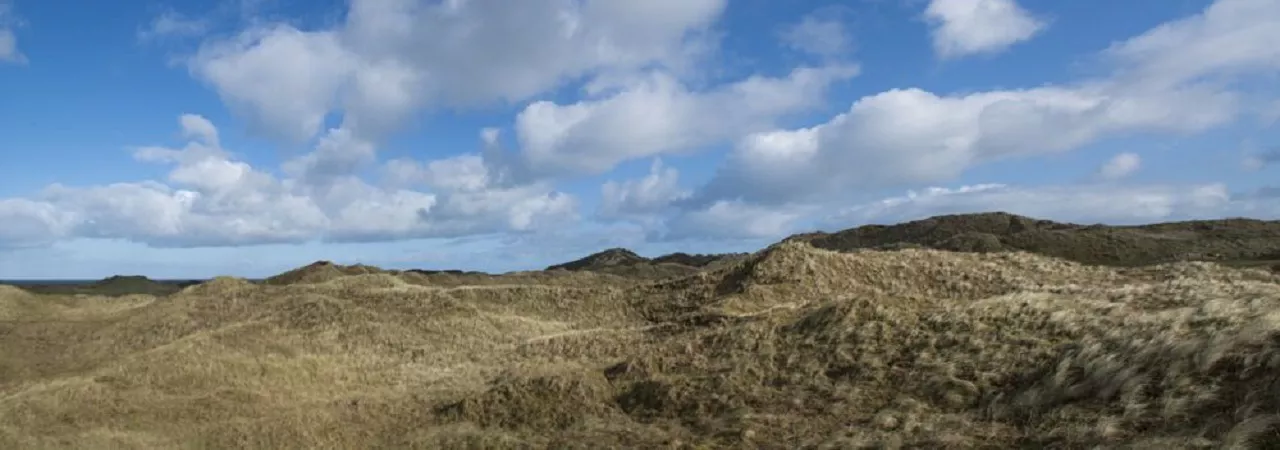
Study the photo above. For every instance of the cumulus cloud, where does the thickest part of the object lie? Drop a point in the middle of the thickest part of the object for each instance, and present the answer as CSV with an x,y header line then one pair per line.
x,y
642,199
29,223
732,219
517,209
342,89
655,114
388,61
493,167
461,173
9,52
338,154
1080,204
1229,38
968,27
280,78
9,47
173,24
1120,166
209,198
910,136
390,58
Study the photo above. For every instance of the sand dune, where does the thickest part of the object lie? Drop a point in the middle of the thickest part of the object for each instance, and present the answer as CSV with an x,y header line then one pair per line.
x,y
792,347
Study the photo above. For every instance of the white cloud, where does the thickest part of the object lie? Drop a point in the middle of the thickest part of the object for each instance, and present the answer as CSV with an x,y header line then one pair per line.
x,y
493,167
1080,204
968,27
821,36
728,219
642,199
1229,38
9,52
654,115
390,58
461,173
659,206
906,137
199,128
910,136
161,215
338,154
284,80
30,223
524,208
380,96
528,47
173,24
212,199
9,48
1120,166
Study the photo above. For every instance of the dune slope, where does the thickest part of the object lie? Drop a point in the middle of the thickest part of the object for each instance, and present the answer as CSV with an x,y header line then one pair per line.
x,y
791,347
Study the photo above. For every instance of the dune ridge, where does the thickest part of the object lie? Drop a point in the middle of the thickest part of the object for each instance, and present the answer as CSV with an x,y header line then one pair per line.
x,y
793,346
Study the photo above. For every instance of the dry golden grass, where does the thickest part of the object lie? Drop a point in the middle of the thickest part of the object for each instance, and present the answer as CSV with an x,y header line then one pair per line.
x,y
792,348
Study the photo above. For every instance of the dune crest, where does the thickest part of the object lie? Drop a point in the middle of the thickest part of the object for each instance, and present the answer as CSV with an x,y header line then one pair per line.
x,y
792,346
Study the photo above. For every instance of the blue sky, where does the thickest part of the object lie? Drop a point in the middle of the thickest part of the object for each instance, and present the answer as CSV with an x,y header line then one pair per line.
x,y
199,138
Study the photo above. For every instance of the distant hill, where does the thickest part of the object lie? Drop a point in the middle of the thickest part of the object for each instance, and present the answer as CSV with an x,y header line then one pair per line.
x,y
789,347
698,260
620,261
1236,241
447,272
114,286
609,258
124,282
320,271
1232,241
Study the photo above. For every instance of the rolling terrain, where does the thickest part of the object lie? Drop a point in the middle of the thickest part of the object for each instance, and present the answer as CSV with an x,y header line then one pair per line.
x,y
1236,241
111,286
972,331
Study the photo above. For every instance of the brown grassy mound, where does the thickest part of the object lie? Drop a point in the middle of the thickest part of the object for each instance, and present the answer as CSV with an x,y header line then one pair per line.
x,y
220,286
623,262
318,272
697,260
16,303
1029,352
607,258
1237,241
537,398
553,278
793,347
455,274
119,285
